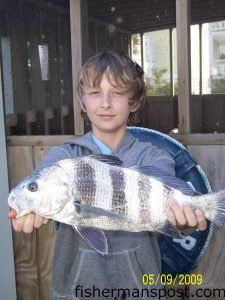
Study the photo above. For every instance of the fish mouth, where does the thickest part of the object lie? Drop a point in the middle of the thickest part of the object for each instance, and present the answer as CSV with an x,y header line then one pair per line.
x,y
12,203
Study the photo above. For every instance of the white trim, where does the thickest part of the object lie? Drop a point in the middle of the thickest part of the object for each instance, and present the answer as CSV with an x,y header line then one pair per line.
x,y
7,274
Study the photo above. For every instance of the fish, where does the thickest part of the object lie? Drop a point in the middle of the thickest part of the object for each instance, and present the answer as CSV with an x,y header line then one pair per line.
x,y
97,193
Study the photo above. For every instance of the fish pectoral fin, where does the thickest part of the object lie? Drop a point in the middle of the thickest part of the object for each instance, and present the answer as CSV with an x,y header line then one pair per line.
x,y
170,230
88,211
95,238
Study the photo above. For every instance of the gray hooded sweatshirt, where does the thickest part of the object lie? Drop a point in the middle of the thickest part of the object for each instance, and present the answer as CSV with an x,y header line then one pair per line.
x,y
81,273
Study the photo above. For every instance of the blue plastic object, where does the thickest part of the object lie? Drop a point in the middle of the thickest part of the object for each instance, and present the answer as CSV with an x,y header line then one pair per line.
x,y
180,256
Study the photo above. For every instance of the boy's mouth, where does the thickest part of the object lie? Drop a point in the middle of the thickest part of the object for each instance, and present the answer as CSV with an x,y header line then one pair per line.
x,y
106,116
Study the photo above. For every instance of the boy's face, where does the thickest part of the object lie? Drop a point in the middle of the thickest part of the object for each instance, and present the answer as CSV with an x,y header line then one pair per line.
x,y
107,108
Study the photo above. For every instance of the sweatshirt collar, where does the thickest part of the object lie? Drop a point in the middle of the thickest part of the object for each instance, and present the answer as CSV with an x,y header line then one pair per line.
x,y
87,141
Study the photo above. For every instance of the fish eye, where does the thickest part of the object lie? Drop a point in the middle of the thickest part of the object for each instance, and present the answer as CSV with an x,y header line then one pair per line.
x,y
32,186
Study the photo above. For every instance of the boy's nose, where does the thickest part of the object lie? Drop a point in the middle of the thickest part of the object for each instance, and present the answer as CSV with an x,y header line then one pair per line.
x,y
106,102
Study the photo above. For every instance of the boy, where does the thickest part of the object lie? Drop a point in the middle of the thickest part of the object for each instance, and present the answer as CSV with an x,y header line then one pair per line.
x,y
110,90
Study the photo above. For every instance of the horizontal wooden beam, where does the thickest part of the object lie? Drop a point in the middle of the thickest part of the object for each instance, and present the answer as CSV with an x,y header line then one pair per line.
x,y
37,140
200,138
54,140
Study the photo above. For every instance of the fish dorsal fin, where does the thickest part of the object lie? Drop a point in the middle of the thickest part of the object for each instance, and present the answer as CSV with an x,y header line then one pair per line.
x,y
108,159
95,238
166,179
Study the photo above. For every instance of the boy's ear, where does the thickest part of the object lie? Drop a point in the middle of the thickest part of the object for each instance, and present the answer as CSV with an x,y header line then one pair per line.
x,y
137,104
80,102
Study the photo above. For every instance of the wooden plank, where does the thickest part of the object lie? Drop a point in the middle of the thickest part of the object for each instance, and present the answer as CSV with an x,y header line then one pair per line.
x,y
65,76
31,118
212,160
65,110
211,266
46,236
45,5
55,123
159,113
11,120
183,64
76,53
213,110
92,37
49,140
19,64
200,138
20,165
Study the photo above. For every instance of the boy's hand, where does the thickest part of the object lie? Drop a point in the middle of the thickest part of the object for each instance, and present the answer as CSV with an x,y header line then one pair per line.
x,y
185,216
26,223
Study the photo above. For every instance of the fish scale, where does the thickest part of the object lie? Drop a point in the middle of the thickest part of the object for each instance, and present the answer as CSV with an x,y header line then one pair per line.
x,y
118,185
85,182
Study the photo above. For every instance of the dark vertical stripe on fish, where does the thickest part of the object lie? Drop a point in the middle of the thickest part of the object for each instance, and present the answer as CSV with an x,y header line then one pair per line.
x,y
118,187
144,190
167,193
86,183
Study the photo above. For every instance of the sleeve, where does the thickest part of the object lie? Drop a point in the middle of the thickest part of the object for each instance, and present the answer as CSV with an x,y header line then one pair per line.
x,y
159,158
164,161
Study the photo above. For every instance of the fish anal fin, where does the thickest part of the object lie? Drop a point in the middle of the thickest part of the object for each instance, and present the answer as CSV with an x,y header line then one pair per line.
x,y
95,238
170,230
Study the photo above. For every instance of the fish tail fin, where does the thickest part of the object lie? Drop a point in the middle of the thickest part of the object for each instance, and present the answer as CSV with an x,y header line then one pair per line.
x,y
215,210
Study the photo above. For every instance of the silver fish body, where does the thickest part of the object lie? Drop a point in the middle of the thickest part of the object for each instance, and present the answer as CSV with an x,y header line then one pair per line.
x,y
93,192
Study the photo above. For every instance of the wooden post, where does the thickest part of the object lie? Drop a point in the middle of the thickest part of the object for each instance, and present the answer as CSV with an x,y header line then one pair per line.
x,y
183,64
76,53
7,274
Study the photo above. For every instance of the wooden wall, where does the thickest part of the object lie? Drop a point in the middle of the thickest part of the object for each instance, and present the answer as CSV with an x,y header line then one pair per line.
x,y
212,265
40,104
207,113
33,252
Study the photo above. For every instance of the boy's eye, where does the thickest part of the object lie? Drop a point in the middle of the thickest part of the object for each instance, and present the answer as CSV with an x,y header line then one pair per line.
x,y
94,93
117,93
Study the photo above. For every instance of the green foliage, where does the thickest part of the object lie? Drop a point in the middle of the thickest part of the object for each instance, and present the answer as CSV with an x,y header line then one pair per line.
x,y
218,86
158,85
136,42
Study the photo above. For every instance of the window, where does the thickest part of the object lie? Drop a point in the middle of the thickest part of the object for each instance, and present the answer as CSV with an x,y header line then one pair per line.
x,y
156,52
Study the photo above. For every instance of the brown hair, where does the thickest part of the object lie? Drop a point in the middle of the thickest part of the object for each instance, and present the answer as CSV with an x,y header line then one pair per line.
x,y
120,70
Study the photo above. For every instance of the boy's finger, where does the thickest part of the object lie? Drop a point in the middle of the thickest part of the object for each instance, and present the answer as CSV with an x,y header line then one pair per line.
x,y
171,216
202,224
179,215
12,214
28,224
38,221
18,224
45,221
190,216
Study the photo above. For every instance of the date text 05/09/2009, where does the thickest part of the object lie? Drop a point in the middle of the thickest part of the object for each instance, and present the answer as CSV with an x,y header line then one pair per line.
x,y
168,279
